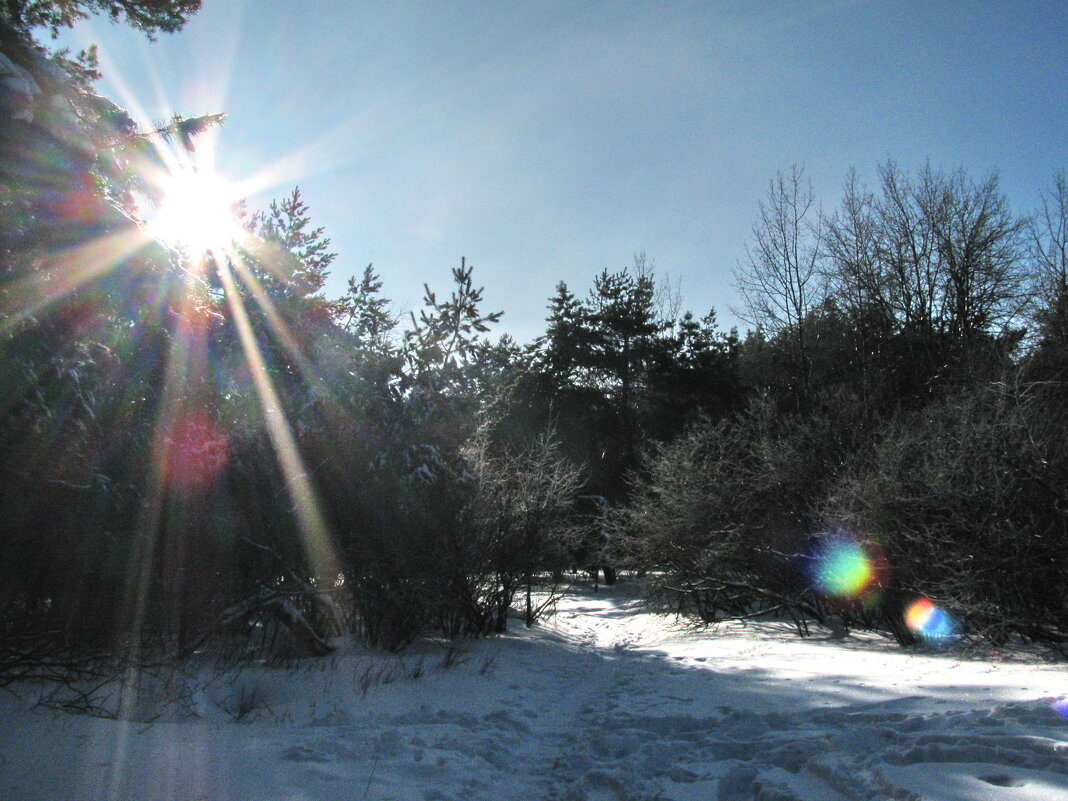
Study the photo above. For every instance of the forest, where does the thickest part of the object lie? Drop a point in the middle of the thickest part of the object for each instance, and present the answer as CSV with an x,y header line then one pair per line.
x,y
204,453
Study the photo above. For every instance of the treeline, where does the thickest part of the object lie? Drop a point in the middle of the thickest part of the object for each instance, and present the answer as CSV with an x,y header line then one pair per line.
x,y
208,453
904,390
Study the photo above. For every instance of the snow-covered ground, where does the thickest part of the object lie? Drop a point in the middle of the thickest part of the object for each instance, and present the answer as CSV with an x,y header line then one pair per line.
x,y
605,701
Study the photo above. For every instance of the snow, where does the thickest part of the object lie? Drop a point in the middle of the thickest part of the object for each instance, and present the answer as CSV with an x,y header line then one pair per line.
x,y
604,701
17,89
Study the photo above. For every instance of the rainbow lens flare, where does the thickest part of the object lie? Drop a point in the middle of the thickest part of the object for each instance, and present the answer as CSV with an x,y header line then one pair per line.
x,y
1061,707
928,621
844,568
196,451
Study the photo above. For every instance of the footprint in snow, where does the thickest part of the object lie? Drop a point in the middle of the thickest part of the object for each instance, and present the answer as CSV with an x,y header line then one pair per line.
x,y
1002,780
737,783
300,753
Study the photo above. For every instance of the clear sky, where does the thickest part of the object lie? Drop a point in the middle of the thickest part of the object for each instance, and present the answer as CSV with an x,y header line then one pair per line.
x,y
547,141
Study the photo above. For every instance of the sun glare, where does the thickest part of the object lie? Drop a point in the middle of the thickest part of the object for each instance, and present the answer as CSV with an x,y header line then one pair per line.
x,y
196,212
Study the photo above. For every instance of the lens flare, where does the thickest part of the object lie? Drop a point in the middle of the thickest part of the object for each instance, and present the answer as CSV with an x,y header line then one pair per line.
x,y
846,568
310,518
1061,707
197,212
930,622
196,452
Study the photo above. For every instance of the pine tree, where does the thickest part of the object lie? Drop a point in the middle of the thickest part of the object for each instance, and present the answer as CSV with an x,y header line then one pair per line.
x,y
365,314
564,347
444,338
625,338
150,16
294,257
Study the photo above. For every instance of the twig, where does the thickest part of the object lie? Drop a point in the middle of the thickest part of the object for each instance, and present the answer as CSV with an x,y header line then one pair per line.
x,y
370,778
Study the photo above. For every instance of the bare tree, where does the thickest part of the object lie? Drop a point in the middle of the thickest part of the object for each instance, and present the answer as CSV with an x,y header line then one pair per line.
x,y
1049,257
859,279
519,528
779,282
855,268
937,255
911,266
981,248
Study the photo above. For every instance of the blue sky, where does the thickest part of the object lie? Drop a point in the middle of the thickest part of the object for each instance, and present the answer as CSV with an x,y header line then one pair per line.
x,y
548,141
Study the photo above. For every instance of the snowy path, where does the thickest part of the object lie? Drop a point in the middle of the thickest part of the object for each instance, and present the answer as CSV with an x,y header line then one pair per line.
x,y
606,702
760,714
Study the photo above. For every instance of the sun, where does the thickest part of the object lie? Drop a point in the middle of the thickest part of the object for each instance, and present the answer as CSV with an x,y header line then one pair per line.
x,y
196,212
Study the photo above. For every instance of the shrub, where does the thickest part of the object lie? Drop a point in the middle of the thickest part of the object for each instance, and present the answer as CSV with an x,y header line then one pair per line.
x,y
969,497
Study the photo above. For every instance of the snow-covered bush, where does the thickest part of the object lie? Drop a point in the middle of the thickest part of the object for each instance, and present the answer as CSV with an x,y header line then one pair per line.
x,y
969,499
520,518
720,513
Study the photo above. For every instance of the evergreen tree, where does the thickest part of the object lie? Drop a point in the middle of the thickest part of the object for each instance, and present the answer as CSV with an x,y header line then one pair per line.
x,y
625,331
294,257
694,372
365,314
150,16
565,345
444,339
96,322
